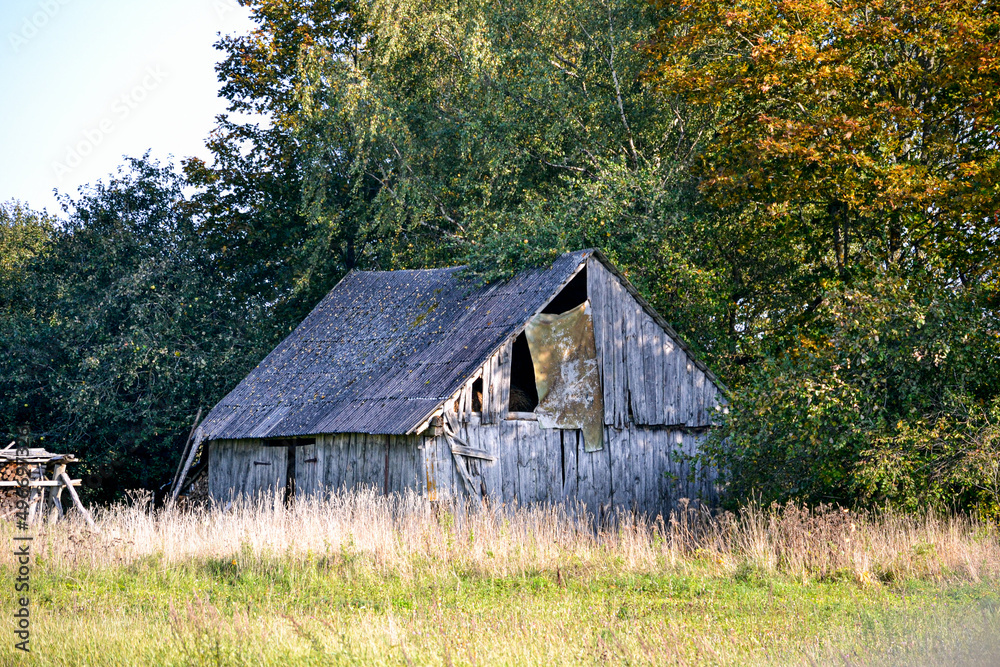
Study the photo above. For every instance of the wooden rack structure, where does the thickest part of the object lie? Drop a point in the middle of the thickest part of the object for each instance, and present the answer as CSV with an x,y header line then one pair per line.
x,y
47,479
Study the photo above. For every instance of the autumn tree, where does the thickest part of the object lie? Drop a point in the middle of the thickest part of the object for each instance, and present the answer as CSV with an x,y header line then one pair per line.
x,y
864,133
860,141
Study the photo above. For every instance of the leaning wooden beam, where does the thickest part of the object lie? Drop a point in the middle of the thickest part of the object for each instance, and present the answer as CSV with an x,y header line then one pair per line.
x,y
458,448
450,429
181,467
76,501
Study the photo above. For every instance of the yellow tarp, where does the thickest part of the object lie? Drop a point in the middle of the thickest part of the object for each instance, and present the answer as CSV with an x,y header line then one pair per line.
x,y
566,373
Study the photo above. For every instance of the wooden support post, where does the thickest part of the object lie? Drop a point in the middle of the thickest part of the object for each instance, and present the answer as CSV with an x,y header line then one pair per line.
x,y
36,499
54,510
76,500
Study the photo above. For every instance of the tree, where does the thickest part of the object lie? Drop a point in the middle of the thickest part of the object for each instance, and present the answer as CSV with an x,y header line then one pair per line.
x,y
502,135
862,133
121,329
23,235
888,395
250,194
858,140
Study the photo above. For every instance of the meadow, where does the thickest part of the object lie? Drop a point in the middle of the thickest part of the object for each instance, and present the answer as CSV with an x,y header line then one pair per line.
x,y
365,579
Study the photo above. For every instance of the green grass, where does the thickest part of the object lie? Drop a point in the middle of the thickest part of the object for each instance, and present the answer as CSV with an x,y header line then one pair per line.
x,y
261,609
362,579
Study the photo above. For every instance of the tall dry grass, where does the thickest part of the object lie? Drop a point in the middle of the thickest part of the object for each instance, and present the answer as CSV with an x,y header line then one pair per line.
x,y
401,534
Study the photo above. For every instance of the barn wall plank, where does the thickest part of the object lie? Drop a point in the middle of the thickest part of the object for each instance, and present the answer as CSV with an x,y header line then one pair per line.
x,y
507,433
654,341
634,361
621,473
618,346
567,447
585,472
220,480
503,372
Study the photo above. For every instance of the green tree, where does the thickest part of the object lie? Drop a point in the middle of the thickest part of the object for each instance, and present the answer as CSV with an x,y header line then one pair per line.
x,y
503,135
888,394
24,234
250,194
121,329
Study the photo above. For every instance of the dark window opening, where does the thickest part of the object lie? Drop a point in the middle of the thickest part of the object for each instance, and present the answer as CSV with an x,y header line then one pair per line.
x,y
570,296
523,393
290,476
477,395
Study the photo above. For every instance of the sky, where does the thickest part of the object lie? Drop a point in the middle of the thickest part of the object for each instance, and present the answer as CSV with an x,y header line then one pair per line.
x,y
86,82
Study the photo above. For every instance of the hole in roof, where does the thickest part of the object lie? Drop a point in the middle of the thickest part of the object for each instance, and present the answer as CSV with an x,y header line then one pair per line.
x,y
570,296
523,392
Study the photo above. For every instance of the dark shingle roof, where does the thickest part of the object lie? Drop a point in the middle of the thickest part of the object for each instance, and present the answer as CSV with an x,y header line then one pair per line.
x,y
381,352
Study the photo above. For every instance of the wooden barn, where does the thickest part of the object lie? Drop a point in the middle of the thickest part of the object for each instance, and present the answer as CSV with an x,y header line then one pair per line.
x,y
558,384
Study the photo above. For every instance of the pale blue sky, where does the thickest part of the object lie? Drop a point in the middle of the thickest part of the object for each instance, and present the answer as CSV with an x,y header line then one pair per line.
x,y
85,82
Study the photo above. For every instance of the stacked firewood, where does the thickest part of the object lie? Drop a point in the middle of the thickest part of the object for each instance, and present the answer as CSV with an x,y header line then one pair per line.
x,y
8,496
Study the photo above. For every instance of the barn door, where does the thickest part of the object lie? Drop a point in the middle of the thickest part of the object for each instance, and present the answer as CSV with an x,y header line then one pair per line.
x,y
308,469
264,470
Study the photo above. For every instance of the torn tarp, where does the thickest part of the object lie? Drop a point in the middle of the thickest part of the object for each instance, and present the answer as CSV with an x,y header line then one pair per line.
x,y
566,373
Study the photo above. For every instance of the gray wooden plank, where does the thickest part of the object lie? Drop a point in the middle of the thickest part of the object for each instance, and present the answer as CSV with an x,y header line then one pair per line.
x,y
644,472
508,461
491,391
669,373
539,464
525,475
585,471
504,372
218,461
653,345
487,439
567,447
634,358
619,371
699,397
661,448
682,382
595,292
552,481
334,476
601,477
618,448
429,467
651,482
393,468
356,461
545,479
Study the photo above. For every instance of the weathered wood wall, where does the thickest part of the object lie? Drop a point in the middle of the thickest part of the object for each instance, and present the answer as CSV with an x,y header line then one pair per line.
x,y
388,463
643,369
644,468
245,467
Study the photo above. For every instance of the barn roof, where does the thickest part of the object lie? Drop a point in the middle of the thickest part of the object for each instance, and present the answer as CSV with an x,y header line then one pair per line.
x,y
382,351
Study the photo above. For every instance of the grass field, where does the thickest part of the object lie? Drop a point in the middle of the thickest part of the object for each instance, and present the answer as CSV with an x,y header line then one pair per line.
x,y
363,579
